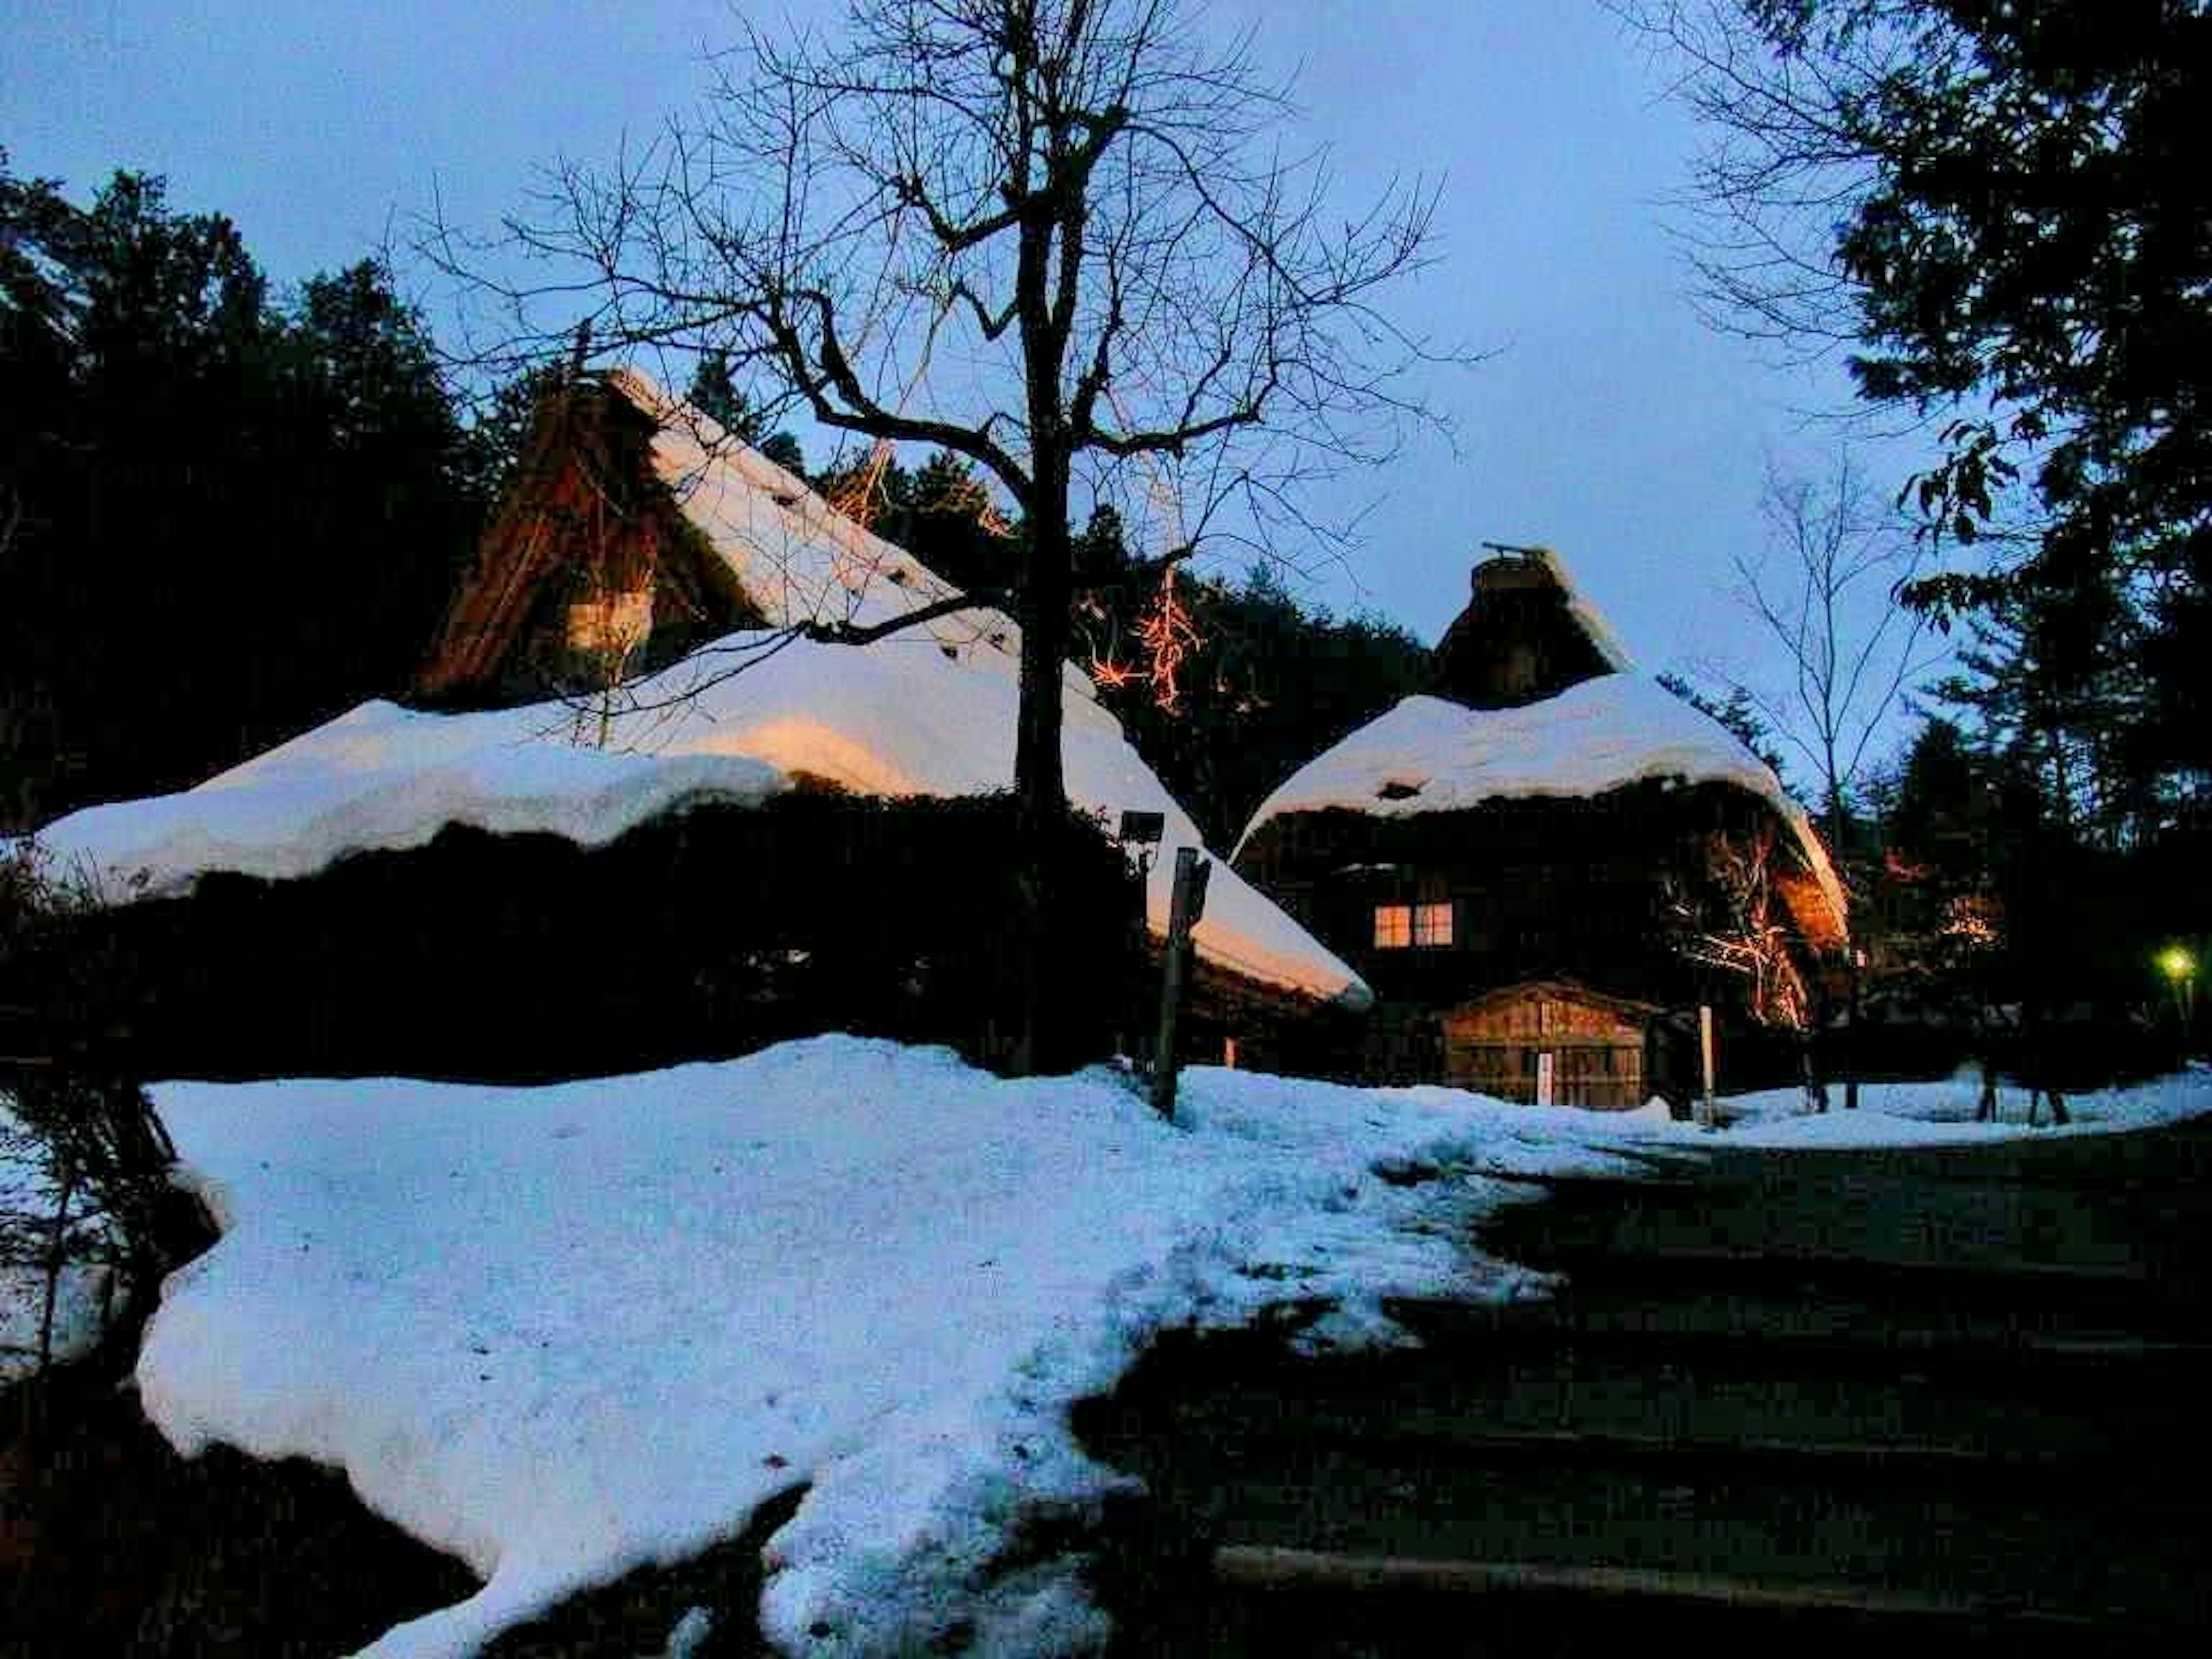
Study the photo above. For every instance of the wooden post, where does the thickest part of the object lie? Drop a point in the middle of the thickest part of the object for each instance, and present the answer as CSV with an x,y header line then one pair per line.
x,y
1184,908
1857,961
1705,1059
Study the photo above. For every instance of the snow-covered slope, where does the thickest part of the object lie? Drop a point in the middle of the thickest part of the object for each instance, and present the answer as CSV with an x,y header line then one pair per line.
x,y
1435,756
566,1331
562,1332
1598,631
898,717
799,559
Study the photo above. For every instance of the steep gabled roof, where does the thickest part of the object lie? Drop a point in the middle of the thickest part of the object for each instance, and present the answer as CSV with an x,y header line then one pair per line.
x,y
797,558
623,487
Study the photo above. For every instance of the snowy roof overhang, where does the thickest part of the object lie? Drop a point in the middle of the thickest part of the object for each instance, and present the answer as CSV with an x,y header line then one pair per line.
x,y
1430,755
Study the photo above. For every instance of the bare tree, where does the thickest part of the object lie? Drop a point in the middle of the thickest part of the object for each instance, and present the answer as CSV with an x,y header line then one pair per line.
x,y
1823,587
1778,89
1055,237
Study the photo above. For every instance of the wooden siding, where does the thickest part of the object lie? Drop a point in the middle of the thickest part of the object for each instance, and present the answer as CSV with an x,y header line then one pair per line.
x,y
1595,1046
1573,887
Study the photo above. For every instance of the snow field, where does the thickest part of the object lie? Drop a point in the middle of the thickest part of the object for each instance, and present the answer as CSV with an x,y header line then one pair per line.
x,y
565,1331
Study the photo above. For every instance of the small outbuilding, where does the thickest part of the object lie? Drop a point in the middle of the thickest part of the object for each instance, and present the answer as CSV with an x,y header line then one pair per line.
x,y
1555,1043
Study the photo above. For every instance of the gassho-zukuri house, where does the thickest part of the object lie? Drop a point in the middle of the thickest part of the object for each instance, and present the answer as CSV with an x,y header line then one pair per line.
x,y
700,837
1546,865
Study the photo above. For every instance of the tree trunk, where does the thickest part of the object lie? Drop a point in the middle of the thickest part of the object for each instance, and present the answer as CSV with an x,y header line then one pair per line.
x,y
57,1263
1039,783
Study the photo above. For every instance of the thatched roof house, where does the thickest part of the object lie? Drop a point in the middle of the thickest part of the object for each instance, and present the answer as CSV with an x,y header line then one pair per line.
x,y
1548,817
636,530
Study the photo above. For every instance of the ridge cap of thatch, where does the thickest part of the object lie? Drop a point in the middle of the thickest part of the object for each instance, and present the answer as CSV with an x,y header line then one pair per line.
x,y
1526,633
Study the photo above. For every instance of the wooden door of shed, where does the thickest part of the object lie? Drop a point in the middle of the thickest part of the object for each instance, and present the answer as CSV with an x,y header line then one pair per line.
x,y
1496,1046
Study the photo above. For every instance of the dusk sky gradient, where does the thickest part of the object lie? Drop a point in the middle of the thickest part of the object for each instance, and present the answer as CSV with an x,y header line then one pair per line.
x,y
1610,422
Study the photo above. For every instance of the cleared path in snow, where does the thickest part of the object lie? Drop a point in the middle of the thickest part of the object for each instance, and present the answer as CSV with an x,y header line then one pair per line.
x,y
1957,1393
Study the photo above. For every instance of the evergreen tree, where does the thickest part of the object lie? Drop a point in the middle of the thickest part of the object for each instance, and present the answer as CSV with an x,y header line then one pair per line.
x,y
221,519
713,392
1268,685
2000,209
1737,713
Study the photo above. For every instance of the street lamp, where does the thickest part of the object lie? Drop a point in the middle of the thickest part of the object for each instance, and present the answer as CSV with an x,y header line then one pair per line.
x,y
2176,962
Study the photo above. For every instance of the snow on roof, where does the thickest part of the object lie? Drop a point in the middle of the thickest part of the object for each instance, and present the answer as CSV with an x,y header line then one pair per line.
x,y
799,559
1430,755
1600,631
382,778
929,710
898,717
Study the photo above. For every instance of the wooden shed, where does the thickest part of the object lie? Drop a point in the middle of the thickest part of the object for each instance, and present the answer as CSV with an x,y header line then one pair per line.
x,y
1554,1043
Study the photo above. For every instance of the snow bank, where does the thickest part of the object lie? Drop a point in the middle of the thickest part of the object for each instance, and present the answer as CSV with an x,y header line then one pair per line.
x,y
899,717
1617,729
566,1330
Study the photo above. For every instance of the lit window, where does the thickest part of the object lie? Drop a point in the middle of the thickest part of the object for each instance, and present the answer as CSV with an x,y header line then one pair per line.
x,y
1393,927
1433,923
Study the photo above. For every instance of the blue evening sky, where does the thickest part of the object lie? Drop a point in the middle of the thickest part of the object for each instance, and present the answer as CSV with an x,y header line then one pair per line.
x,y
1610,423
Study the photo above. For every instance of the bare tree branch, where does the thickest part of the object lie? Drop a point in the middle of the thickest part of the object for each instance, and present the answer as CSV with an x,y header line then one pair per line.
x,y
986,225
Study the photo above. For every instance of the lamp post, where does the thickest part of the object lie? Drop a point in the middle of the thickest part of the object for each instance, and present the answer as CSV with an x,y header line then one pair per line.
x,y
2179,964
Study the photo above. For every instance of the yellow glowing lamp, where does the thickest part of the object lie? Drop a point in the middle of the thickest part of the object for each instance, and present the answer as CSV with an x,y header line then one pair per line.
x,y
2176,963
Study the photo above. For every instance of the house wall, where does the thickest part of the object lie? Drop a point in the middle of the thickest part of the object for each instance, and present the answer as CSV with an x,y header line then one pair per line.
x,y
588,571
702,933
1583,888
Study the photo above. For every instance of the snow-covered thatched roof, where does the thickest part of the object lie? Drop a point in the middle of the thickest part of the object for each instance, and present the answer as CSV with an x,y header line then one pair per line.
x,y
1526,634
797,559
928,711
1615,727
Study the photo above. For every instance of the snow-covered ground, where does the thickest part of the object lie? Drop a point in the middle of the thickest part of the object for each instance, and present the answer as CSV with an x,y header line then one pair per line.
x,y
1941,1114
563,1331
